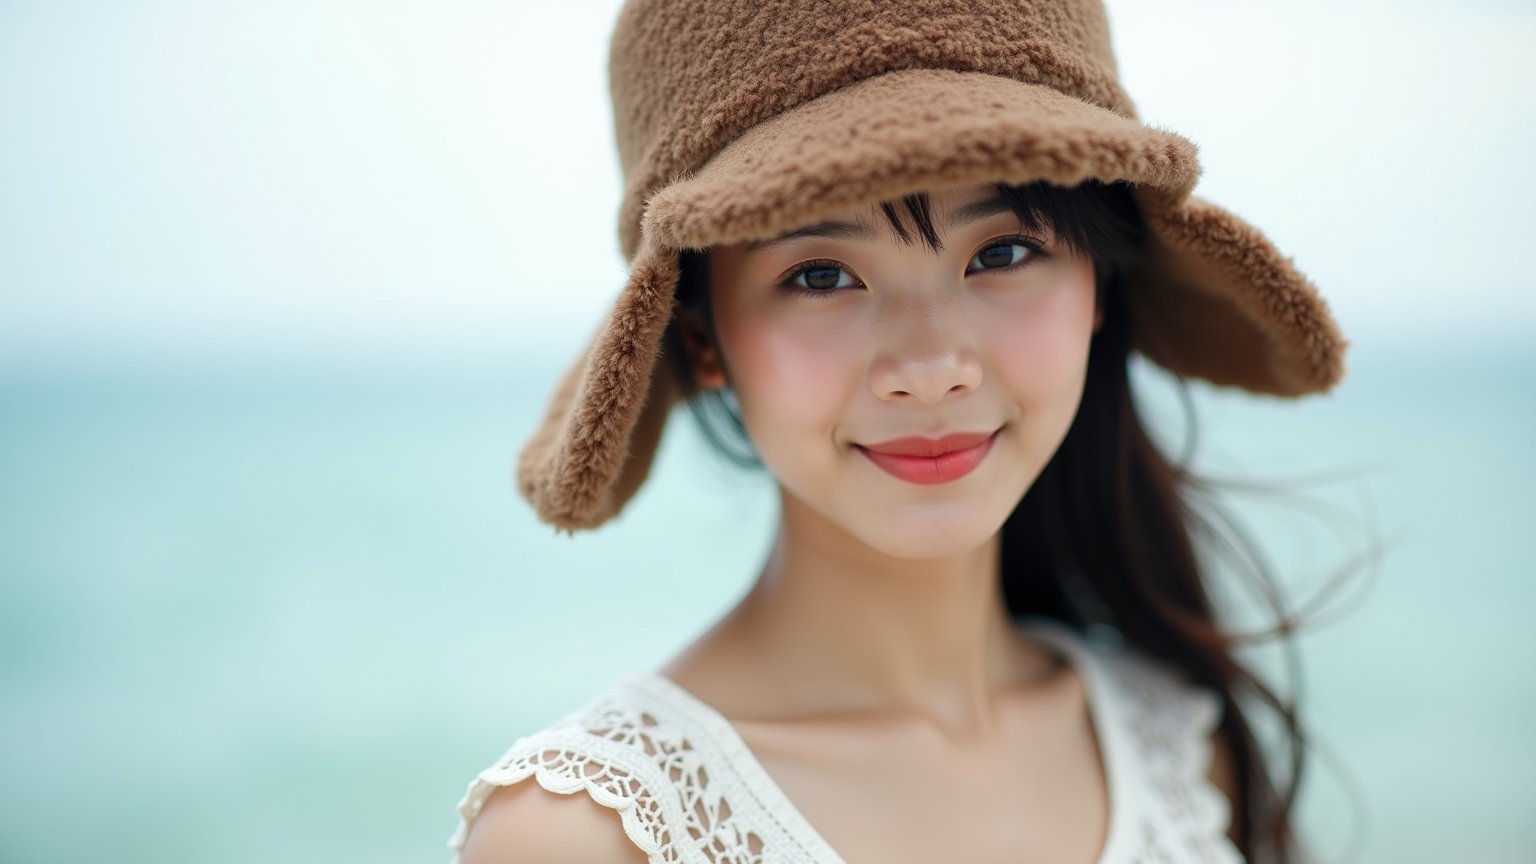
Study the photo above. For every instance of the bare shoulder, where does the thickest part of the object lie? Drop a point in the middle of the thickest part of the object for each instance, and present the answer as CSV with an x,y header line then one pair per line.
x,y
527,824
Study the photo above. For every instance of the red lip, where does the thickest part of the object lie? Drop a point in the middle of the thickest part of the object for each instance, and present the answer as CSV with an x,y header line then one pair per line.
x,y
918,446
929,461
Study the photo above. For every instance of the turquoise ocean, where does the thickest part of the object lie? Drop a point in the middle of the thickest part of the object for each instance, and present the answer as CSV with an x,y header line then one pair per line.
x,y
258,615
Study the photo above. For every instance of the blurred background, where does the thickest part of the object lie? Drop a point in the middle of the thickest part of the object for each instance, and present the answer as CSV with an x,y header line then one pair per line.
x,y
283,286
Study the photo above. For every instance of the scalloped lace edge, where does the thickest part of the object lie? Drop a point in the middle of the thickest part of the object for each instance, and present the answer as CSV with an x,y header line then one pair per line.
x,y
563,782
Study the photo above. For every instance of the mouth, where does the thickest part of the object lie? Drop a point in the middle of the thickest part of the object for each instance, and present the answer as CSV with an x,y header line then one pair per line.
x,y
930,461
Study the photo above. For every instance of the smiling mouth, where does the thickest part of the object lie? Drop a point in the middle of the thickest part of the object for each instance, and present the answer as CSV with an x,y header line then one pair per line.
x,y
930,461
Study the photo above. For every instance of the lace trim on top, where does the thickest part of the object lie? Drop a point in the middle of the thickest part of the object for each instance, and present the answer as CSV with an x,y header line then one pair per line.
x,y
689,791
669,778
1171,723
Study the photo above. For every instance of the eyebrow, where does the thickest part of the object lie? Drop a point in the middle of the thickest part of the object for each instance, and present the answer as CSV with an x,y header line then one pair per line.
x,y
839,229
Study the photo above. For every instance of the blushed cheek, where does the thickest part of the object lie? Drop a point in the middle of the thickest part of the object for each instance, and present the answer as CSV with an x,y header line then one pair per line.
x,y
1041,349
793,381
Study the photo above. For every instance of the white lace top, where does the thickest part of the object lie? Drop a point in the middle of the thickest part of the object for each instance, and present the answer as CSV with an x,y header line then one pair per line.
x,y
688,789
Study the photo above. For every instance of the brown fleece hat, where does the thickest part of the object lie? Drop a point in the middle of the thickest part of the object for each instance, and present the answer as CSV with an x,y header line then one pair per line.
x,y
738,120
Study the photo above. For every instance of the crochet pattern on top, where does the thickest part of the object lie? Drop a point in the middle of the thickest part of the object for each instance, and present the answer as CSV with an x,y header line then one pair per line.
x,y
687,789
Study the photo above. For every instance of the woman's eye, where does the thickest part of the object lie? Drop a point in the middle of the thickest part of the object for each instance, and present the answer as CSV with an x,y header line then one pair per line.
x,y
819,278
998,256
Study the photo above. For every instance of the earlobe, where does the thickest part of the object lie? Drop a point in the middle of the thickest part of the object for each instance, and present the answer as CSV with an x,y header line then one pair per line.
x,y
703,357
707,371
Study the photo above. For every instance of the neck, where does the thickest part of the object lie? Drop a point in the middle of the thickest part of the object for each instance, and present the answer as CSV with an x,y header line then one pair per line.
x,y
860,631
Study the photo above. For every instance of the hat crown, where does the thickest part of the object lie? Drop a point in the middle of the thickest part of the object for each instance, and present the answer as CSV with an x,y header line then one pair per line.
x,y
757,115
690,76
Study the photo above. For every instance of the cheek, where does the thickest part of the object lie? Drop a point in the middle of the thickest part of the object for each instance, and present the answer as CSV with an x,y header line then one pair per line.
x,y
1038,344
792,374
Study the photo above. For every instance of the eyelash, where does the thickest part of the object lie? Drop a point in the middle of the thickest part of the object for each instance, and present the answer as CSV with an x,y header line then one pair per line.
x,y
824,264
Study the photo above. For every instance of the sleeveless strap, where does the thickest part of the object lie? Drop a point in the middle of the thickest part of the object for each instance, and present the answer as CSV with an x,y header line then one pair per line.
x,y
1171,722
1159,728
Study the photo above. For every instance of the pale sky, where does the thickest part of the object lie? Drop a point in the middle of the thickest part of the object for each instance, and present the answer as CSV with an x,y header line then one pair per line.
x,y
436,182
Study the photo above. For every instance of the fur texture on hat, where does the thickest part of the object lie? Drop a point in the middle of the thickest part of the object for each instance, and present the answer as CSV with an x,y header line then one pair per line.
x,y
737,121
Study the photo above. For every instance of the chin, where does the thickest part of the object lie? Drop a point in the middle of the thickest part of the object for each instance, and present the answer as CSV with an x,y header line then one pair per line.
x,y
923,533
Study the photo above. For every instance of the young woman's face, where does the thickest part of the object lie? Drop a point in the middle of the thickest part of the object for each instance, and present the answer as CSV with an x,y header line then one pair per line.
x,y
840,338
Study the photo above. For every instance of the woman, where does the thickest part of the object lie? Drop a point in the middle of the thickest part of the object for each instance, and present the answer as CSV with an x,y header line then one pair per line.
x,y
904,250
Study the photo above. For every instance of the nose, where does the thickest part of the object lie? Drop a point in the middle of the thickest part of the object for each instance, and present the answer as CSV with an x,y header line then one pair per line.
x,y
925,351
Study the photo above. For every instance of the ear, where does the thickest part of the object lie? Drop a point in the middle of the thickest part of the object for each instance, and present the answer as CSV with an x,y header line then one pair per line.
x,y
703,355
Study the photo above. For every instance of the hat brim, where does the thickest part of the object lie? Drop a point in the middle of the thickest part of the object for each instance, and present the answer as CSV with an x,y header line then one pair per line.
x,y
1214,300
917,129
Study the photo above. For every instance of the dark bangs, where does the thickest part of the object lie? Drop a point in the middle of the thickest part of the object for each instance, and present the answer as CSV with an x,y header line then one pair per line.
x,y
1096,219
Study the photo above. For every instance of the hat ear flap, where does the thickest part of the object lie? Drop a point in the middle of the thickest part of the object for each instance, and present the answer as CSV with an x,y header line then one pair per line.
x,y
597,439
1218,301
